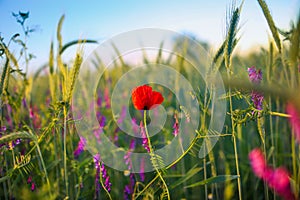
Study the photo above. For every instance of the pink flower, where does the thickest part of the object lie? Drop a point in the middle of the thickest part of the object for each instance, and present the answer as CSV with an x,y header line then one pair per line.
x,y
258,163
277,179
32,186
294,120
280,182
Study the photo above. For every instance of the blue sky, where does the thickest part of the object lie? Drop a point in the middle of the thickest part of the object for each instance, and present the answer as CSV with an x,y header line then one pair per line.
x,y
103,19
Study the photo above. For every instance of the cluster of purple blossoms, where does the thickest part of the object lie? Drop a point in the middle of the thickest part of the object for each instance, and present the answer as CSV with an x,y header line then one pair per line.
x,y
135,127
80,147
255,77
127,156
34,116
145,139
105,176
129,189
32,184
107,98
10,145
142,170
175,126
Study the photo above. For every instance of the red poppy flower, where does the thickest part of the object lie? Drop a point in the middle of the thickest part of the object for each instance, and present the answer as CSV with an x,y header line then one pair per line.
x,y
144,98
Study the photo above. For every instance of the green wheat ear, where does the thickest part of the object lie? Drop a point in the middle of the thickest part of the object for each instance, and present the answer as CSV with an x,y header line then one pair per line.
x,y
52,77
74,73
4,76
271,23
231,40
58,33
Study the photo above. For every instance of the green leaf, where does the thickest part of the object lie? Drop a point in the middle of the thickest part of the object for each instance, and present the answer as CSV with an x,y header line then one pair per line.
x,y
4,178
187,176
216,179
14,136
74,42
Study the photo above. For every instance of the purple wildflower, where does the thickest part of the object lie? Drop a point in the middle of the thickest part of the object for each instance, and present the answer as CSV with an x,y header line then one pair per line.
x,y
29,181
122,115
129,189
34,116
176,126
102,120
106,98
255,77
32,186
99,101
24,103
257,99
80,147
99,130
97,176
145,139
102,169
105,176
135,127
142,170
127,156
8,116
2,130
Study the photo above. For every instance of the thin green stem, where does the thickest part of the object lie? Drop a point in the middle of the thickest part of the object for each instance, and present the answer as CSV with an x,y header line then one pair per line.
x,y
205,173
235,147
272,137
152,155
65,153
279,114
261,130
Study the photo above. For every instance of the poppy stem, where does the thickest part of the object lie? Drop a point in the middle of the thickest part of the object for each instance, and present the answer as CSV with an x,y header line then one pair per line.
x,y
153,156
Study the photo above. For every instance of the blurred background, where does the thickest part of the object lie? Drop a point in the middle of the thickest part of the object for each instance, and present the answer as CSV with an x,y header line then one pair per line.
x,y
101,20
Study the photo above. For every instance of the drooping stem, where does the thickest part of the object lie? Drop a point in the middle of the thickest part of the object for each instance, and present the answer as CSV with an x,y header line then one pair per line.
x,y
44,167
153,157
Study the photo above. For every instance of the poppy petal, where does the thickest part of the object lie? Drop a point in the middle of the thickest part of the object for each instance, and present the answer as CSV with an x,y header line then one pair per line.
x,y
156,99
143,98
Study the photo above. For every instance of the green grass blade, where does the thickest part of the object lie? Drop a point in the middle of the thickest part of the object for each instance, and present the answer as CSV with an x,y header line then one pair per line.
x,y
216,179
17,135
75,42
187,176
